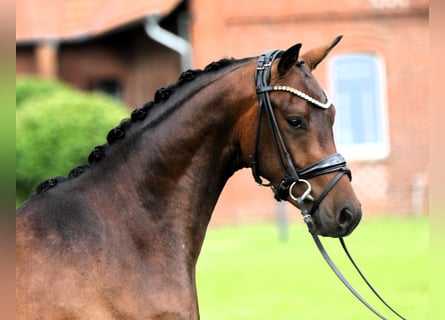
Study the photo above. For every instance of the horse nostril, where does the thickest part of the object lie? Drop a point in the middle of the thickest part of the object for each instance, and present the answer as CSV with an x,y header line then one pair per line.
x,y
345,217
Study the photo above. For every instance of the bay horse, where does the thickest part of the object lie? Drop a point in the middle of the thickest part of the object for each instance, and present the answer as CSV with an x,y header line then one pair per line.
x,y
119,237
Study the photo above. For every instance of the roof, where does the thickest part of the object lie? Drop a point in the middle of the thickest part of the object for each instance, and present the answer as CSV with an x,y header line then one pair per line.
x,y
38,20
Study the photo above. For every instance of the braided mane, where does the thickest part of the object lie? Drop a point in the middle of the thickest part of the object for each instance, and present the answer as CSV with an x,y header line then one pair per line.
x,y
139,114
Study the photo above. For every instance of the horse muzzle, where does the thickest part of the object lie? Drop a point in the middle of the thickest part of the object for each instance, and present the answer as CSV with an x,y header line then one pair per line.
x,y
339,224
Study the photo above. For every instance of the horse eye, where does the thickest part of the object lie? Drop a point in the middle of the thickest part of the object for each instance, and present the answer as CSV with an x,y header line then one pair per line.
x,y
296,122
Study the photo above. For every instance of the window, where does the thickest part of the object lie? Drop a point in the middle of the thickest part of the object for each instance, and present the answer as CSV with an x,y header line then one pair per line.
x,y
109,87
359,93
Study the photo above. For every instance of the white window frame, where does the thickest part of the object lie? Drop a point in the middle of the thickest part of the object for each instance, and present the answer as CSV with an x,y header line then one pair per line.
x,y
364,151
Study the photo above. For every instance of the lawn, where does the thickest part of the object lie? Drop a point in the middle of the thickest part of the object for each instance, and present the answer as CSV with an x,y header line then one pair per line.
x,y
245,272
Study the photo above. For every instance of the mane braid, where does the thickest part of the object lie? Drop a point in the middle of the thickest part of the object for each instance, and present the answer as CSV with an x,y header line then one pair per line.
x,y
138,114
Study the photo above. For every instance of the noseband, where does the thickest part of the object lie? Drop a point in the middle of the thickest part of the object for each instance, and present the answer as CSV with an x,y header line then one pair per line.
x,y
292,176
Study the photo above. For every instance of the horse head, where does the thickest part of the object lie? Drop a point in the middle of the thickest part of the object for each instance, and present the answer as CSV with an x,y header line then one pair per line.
x,y
295,149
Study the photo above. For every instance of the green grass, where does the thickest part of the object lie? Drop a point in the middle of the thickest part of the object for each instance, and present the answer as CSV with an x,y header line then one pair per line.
x,y
247,273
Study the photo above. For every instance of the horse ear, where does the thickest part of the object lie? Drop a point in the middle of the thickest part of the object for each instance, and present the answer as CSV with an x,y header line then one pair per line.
x,y
313,57
288,59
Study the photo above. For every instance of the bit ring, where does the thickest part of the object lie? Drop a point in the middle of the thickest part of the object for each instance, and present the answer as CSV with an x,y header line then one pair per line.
x,y
306,194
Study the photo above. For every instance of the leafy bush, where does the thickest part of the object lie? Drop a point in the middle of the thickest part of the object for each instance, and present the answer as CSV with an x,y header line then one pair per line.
x,y
56,130
31,88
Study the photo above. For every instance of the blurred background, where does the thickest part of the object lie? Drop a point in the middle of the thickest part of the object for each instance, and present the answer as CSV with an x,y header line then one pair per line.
x,y
377,77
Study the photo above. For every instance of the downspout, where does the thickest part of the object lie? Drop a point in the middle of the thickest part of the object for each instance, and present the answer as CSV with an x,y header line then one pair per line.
x,y
170,40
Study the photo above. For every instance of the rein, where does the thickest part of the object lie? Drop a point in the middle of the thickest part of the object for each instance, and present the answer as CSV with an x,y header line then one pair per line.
x,y
292,176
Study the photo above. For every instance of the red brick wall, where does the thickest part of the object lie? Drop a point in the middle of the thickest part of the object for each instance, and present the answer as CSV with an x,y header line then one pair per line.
x,y
397,31
139,63
25,61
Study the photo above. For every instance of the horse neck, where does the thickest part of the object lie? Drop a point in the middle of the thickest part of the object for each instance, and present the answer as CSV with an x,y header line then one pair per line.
x,y
176,168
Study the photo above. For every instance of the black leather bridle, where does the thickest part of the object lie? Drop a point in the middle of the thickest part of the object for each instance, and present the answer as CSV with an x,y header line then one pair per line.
x,y
292,176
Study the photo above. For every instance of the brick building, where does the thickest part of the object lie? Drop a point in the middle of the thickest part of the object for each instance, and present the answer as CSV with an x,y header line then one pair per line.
x,y
97,45
377,75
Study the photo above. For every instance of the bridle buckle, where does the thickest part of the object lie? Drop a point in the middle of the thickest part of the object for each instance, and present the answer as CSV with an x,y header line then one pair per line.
x,y
264,66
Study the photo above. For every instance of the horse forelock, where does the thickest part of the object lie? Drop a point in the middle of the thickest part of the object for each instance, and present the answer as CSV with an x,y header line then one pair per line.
x,y
139,114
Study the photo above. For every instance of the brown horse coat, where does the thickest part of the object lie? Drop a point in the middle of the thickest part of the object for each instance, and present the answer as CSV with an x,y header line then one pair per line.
x,y
120,237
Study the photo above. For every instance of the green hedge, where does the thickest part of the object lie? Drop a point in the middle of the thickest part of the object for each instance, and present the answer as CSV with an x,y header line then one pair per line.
x,y
56,129
32,88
